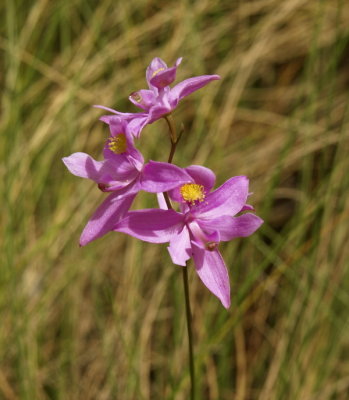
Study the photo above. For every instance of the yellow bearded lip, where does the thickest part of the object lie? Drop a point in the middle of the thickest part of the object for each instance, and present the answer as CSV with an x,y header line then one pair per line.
x,y
136,97
157,71
192,193
118,144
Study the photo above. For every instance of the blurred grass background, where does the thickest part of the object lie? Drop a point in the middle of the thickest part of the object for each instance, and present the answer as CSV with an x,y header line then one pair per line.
x,y
107,321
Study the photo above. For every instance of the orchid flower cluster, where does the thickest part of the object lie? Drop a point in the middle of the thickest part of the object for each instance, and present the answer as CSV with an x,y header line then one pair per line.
x,y
201,218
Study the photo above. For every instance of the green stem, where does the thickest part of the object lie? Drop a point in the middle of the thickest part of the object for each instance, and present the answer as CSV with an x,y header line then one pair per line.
x,y
190,333
174,140
171,127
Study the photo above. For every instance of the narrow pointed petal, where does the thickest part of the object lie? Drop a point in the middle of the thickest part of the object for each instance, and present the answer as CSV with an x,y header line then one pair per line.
x,y
126,116
232,227
120,114
180,247
114,207
161,177
228,199
178,61
212,271
189,86
106,118
107,109
84,166
151,225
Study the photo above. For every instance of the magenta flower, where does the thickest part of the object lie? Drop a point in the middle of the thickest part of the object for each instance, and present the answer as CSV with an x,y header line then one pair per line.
x,y
123,173
206,219
159,99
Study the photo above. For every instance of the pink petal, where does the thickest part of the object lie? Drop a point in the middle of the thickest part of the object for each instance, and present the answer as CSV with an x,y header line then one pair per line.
x,y
84,166
127,178
159,75
127,116
132,154
158,111
189,86
178,61
116,125
161,201
232,227
137,124
143,99
154,66
164,78
201,238
199,175
247,207
114,207
136,121
151,225
212,271
125,164
202,176
180,247
228,199
161,177
107,109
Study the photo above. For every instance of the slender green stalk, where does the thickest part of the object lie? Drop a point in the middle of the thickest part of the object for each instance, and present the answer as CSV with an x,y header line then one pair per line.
x,y
190,333
174,140
172,129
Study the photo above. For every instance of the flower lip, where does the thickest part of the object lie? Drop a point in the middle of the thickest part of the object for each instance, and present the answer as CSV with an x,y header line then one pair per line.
x,y
192,193
136,97
157,71
118,144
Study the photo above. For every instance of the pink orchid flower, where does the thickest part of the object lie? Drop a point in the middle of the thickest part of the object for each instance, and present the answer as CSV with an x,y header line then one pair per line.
x,y
123,173
159,99
206,218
